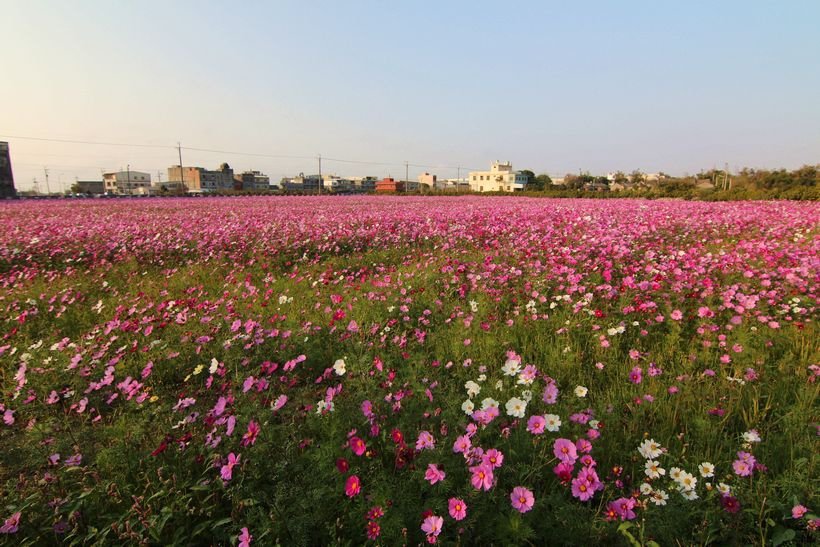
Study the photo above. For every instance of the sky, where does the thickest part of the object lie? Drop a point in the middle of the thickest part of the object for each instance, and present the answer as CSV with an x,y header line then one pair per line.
x,y
554,87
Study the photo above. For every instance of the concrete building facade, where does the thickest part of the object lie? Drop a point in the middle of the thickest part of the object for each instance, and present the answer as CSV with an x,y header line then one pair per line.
x,y
500,178
199,179
127,183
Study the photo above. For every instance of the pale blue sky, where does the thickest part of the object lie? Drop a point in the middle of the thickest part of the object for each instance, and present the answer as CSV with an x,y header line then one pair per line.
x,y
553,87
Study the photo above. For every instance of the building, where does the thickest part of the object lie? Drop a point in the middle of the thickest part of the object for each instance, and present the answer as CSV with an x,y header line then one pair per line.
x,y
252,180
500,178
388,184
428,180
127,183
199,180
6,176
90,186
311,184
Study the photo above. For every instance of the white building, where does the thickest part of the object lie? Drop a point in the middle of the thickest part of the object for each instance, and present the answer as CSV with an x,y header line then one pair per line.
x,y
500,178
127,182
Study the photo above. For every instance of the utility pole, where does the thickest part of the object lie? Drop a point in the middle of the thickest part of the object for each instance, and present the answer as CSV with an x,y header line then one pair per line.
x,y
128,183
321,182
48,188
406,176
181,172
458,180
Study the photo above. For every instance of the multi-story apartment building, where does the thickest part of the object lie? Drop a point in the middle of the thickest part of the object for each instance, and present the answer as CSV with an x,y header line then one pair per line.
x,y
6,176
199,179
252,180
500,178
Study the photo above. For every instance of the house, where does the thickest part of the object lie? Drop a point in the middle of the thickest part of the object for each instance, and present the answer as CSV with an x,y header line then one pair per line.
x,y
428,181
387,185
303,184
500,178
127,183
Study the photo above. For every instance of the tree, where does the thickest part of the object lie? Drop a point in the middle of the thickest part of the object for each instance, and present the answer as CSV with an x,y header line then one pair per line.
x,y
530,178
543,181
637,177
75,188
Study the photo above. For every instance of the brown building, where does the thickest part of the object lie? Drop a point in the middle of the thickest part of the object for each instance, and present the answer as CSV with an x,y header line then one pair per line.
x,y
388,185
199,179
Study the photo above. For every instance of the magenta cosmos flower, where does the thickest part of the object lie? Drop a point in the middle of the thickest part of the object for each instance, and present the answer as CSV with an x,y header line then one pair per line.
x,y
636,375
458,509
536,425
357,446
522,499
352,486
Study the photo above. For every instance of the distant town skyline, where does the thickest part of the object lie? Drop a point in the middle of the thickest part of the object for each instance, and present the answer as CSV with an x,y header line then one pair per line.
x,y
552,87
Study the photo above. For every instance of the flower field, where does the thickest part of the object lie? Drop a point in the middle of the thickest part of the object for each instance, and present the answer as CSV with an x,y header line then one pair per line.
x,y
382,370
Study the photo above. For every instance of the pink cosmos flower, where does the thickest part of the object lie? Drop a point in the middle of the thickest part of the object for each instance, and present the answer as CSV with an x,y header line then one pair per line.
x,y
550,393
565,451
462,445
585,484
482,477
226,472
636,375
798,511
744,465
425,440
352,486
11,524
677,315
434,474
536,424
245,538
493,458
280,402
458,509
357,446
432,526
522,499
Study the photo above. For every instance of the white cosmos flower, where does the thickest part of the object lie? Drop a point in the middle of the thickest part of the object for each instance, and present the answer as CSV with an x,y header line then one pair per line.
x,y
649,449
511,367
706,469
472,388
581,391
468,407
516,407
339,367
553,422
653,469
488,402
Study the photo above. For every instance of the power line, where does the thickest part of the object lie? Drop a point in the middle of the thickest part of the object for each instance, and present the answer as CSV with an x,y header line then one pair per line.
x,y
247,153
232,152
99,143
